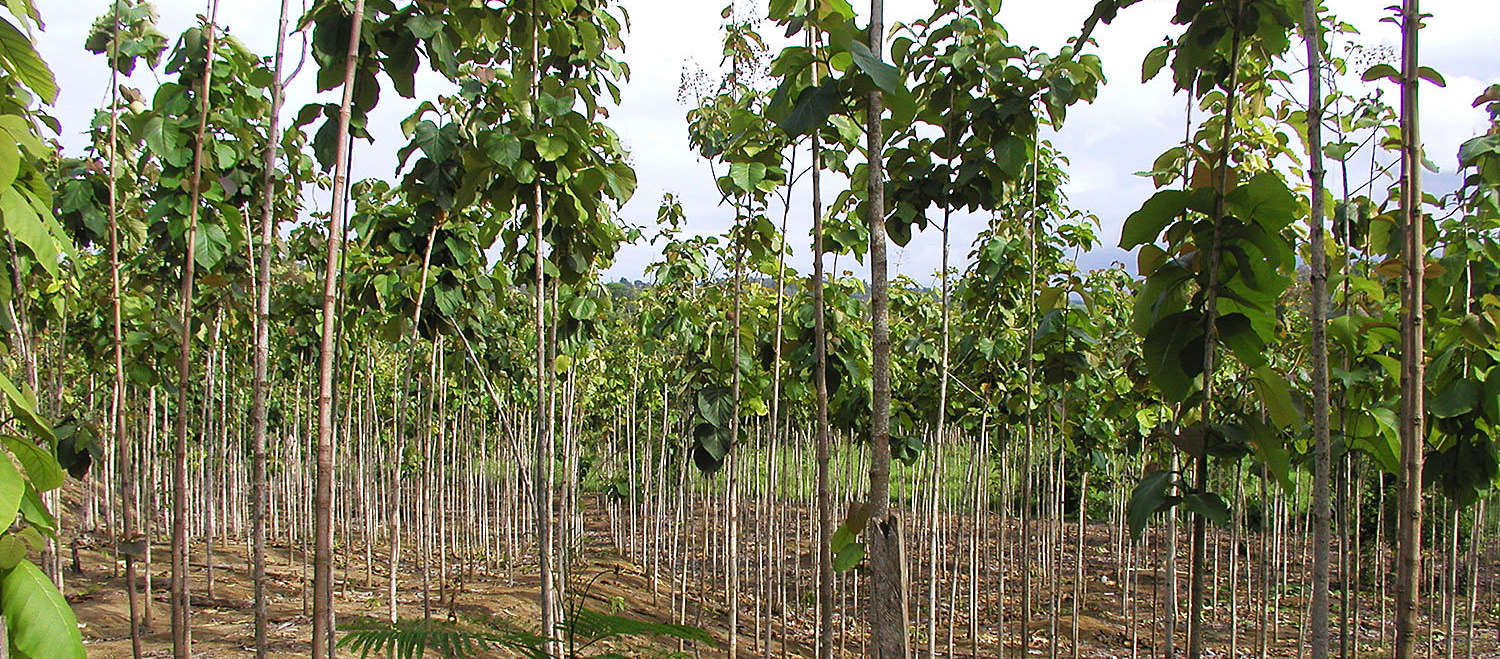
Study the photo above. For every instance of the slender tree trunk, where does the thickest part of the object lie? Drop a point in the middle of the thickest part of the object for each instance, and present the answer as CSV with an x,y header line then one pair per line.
x,y
731,517
1322,509
1080,590
1409,530
1169,592
1172,589
824,449
543,458
393,496
1210,340
181,635
123,454
323,637
887,597
263,346
941,436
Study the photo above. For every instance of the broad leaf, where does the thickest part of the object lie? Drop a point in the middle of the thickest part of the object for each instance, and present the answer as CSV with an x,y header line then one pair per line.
x,y
23,406
1209,505
24,223
1168,357
12,491
22,60
1456,399
41,466
1489,401
1150,495
885,76
848,557
1276,393
1144,225
811,111
37,617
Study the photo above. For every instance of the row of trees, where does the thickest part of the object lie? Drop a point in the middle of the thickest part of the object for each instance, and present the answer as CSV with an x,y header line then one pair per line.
x,y
1196,362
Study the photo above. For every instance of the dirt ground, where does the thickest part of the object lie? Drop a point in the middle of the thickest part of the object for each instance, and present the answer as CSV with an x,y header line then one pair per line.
x,y
222,623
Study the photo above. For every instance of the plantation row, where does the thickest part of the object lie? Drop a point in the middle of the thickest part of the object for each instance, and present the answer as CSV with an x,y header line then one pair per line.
x,y
423,421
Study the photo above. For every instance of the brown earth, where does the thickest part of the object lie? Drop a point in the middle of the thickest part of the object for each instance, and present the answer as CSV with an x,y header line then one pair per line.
x,y
222,623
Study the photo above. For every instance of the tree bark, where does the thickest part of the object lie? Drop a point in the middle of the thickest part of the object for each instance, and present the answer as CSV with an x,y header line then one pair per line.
x,y
322,638
823,449
887,603
1409,529
181,634
124,458
1322,510
263,346
543,457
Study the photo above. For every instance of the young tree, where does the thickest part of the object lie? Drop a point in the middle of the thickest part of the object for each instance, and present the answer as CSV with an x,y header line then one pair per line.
x,y
262,347
887,599
144,42
181,632
322,637
1322,506
1413,381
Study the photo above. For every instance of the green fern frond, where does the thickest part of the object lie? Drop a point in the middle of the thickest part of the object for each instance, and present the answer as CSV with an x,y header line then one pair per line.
x,y
597,626
413,639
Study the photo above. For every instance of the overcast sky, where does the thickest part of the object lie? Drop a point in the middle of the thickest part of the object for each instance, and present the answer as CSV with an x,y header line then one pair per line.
x,y
1120,133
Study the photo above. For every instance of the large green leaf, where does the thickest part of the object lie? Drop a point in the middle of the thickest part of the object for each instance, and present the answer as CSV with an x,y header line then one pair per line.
x,y
12,550
1144,225
24,223
1489,402
811,111
550,148
10,162
41,467
1456,399
715,405
12,490
1154,60
35,512
1266,443
1150,495
22,60
37,617
1207,504
1264,200
1276,393
1375,432
1236,332
20,131
1163,294
885,76
848,556
1168,358
23,406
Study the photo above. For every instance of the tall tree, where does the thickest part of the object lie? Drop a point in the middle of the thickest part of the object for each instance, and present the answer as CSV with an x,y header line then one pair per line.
x,y
887,603
262,348
823,449
1413,425
1224,54
37,620
123,454
181,634
542,463
1322,506
322,637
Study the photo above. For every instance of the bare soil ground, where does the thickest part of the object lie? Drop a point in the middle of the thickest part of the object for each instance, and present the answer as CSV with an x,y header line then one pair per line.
x,y
222,623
